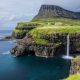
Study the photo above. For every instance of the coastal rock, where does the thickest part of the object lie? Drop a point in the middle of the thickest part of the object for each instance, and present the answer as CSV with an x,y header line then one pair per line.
x,y
48,50
75,43
45,50
27,45
75,66
7,38
18,50
38,50
22,47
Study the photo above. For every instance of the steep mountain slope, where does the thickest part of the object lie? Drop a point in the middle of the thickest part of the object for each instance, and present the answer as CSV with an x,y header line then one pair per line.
x,y
53,11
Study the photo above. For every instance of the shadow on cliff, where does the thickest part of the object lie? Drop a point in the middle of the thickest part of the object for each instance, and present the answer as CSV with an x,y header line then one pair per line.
x,y
60,51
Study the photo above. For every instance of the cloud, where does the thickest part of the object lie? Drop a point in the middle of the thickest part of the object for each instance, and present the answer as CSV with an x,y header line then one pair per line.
x,y
72,5
10,21
12,17
13,11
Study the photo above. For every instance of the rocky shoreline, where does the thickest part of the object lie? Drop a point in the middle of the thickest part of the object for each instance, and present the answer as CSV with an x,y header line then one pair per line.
x,y
75,66
50,50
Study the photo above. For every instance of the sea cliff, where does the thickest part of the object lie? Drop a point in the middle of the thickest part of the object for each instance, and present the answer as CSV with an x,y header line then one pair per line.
x,y
46,34
46,42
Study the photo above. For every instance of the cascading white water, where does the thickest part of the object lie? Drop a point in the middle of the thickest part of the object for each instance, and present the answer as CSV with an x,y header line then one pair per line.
x,y
68,42
68,47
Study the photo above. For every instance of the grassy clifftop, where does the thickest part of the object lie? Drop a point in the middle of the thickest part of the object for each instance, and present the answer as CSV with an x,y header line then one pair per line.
x,y
24,27
49,25
54,21
54,29
46,31
48,15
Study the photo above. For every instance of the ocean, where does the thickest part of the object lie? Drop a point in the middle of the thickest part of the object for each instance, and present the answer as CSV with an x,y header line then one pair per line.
x,y
29,67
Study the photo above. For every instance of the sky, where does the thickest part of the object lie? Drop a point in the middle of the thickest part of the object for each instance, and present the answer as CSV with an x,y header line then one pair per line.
x,y
14,11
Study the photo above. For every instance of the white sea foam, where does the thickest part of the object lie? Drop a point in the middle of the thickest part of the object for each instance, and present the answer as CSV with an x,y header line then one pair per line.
x,y
5,53
11,41
67,57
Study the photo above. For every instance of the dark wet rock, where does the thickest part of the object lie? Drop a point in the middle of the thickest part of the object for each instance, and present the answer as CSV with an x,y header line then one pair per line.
x,y
44,51
75,66
53,48
7,38
23,46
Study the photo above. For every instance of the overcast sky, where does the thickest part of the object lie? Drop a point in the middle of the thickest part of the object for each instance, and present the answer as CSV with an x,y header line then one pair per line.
x,y
13,11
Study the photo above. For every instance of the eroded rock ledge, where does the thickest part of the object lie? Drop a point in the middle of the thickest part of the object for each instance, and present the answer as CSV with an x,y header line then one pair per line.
x,y
75,66
27,45
56,44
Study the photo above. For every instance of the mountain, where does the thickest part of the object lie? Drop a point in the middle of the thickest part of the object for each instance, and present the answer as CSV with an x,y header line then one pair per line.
x,y
53,11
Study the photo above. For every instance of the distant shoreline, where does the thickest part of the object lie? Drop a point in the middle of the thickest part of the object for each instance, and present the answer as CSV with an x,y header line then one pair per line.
x,y
6,35
7,38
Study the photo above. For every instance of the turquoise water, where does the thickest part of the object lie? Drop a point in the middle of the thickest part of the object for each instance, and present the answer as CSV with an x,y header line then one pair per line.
x,y
30,67
5,46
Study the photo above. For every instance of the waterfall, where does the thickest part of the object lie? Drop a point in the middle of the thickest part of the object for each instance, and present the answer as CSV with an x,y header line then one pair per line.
x,y
68,44
67,50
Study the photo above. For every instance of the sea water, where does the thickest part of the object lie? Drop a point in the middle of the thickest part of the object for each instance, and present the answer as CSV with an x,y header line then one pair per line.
x,y
30,67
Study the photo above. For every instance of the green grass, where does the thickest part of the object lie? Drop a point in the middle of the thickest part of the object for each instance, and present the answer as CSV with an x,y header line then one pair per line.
x,y
74,77
19,34
41,41
28,25
24,27
37,32
65,21
48,26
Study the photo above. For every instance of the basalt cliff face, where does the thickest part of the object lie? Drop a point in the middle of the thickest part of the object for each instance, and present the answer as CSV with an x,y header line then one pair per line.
x,y
27,46
53,11
75,66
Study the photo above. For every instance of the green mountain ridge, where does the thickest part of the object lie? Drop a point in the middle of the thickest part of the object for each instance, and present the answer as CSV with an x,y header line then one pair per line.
x,y
53,11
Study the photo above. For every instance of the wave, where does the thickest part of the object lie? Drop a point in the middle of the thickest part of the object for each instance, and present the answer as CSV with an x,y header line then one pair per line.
x,y
6,53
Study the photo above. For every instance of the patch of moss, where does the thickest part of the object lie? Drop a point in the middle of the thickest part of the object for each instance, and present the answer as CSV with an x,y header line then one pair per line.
x,y
19,34
41,41
74,77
